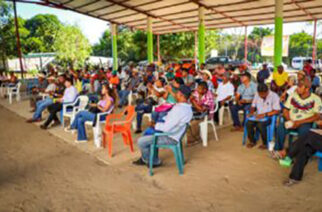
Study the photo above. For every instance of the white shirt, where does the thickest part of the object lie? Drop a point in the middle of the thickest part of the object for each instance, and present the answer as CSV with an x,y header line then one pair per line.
x,y
70,94
291,90
50,87
224,90
175,121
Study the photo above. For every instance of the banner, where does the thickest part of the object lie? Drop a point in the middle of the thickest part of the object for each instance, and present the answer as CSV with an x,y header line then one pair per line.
x,y
267,48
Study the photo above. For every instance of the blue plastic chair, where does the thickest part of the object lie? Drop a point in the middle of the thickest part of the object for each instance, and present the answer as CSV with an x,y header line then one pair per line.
x,y
319,155
270,130
176,148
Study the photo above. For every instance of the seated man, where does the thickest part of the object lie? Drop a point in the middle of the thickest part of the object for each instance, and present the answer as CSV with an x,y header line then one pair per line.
x,y
266,104
188,78
70,95
203,104
42,85
174,123
301,110
279,82
244,97
301,151
224,93
207,77
43,104
132,83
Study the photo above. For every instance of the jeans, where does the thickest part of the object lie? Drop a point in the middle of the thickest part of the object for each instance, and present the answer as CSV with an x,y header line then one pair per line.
x,y
234,109
261,126
281,133
40,107
123,94
158,116
302,150
145,142
140,110
79,123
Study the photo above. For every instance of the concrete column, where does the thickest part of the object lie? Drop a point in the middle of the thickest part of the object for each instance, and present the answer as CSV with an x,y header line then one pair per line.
x,y
150,40
114,46
278,37
201,36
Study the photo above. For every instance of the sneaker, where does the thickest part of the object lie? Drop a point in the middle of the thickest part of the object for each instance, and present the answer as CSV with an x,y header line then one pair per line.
x,y
286,162
69,130
263,147
290,182
80,141
139,162
55,124
138,131
43,127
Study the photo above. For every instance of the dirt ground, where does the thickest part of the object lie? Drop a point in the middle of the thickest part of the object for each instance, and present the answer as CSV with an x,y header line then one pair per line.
x,y
40,172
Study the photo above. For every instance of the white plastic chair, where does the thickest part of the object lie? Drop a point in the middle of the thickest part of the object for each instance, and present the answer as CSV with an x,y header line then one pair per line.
x,y
97,131
15,90
82,103
148,115
221,114
204,128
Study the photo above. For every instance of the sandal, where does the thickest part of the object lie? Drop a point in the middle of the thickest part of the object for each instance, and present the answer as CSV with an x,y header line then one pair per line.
x,y
290,182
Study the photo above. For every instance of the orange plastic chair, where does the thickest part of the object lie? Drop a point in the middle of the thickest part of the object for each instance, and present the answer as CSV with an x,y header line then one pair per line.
x,y
121,123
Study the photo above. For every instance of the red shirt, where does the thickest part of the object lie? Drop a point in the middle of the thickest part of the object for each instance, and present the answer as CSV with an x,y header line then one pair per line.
x,y
214,81
307,69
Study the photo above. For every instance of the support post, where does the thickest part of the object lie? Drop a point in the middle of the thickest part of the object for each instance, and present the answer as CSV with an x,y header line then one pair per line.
x,y
150,40
201,36
245,45
196,49
314,42
18,38
278,37
114,46
158,49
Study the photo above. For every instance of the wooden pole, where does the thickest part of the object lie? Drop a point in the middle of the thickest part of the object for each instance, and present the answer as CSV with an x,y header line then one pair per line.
x,y
314,42
245,45
18,38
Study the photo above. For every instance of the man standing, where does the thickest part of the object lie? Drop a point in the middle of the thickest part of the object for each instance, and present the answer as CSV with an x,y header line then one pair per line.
x,y
263,74
244,97
174,123
266,104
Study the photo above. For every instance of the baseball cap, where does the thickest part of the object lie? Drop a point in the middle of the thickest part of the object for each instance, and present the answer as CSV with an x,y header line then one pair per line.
x,y
185,90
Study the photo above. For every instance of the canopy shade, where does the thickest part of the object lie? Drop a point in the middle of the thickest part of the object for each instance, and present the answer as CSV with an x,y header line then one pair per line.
x,y
182,15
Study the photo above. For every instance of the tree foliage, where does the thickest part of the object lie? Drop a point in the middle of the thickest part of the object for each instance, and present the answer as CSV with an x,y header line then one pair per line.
x,y
71,46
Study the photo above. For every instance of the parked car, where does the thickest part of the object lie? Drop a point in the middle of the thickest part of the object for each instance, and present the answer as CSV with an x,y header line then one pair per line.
x,y
226,61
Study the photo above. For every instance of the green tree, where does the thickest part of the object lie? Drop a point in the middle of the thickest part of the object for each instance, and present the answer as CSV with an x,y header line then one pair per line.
x,y
71,46
300,45
43,31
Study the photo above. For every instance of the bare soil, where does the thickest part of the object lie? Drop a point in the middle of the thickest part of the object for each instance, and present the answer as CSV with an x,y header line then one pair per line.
x,y
39,172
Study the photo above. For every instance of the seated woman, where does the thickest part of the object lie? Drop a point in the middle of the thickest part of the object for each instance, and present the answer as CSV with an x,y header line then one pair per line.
x,y
81,117
155,97
169,96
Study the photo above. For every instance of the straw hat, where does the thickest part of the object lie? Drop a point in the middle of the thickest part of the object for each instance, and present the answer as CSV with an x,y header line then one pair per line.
x,y
51,78
207,72
41,75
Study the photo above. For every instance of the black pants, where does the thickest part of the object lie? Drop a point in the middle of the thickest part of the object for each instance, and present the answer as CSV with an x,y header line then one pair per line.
x,y
53,109
302,150
261,126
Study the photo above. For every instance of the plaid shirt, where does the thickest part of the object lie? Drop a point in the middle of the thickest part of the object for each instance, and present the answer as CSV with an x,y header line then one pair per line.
x,y
206,100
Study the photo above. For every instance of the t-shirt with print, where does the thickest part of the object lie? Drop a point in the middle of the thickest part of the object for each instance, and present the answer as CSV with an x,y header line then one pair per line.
x,y
303,108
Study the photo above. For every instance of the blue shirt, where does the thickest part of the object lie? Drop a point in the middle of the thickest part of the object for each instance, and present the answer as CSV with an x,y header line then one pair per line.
x,y
262,75
247,93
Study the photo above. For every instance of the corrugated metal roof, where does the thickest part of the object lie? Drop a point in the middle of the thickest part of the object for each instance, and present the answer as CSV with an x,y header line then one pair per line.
x,y
182,15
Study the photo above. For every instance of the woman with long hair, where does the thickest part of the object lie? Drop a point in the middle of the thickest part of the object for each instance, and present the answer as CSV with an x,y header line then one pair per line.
x,y
105,104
